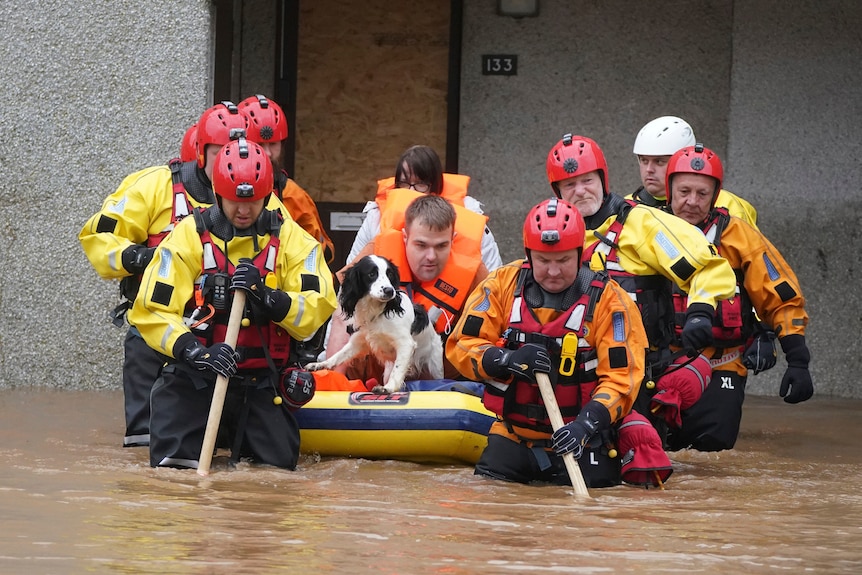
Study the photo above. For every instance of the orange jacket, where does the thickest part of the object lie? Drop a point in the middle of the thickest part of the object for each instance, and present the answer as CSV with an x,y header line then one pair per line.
x,y
303,210
769,281
486,317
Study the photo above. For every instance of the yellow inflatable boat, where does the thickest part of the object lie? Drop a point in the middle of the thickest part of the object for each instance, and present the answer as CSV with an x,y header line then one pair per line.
x,y
420,426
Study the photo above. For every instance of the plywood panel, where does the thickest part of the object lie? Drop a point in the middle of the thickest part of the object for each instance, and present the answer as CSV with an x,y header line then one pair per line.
x,y
372,80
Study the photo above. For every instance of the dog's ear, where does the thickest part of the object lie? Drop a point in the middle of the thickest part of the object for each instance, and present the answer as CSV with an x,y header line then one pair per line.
x,y
353,287
394,306
420,319
392,274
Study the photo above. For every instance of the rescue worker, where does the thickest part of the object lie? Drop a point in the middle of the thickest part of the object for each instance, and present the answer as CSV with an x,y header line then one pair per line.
x,y
436,246
419,169
120,239
188,146
765,281
183,308
646,251
267,126
656,142
549,314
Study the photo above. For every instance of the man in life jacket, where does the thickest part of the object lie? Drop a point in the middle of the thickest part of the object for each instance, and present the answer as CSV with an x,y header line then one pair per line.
x,y
656,142
436,247
647,251
120,239
267,126
765,281
183,307
419,169
550,314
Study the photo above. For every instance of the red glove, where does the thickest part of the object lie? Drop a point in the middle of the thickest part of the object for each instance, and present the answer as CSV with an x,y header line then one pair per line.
x,y
680,387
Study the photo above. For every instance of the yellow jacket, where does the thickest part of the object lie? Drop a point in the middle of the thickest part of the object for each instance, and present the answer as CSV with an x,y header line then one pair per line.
x,y
140,208
653,242
486,317
169,282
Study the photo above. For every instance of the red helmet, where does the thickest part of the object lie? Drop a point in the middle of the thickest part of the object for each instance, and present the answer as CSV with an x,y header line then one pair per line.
x,y
218,125
553,226
188,147
695,160
242,172
573,156
266,120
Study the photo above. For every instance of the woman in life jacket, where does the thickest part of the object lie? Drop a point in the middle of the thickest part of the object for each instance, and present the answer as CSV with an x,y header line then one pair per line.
x,y
419,169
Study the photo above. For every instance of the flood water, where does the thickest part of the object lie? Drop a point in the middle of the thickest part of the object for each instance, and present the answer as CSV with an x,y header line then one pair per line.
x,y
786,500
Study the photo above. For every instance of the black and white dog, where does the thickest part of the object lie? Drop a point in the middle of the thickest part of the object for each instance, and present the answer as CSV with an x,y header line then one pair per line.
x,y
387,325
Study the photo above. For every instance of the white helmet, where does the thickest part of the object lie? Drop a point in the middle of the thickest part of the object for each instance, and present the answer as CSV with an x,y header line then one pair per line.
x,y
663,137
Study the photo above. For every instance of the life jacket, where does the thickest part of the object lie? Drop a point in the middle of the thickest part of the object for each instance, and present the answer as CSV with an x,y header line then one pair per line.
x,y
211,298
573,359
181,207
653,293
444,297
304,212
454,190
734,321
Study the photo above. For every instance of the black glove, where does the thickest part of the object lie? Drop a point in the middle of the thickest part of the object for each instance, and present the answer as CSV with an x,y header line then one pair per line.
x,y
574,436
697,331
760,355
796,385
135,258
523,362
220,358
274,303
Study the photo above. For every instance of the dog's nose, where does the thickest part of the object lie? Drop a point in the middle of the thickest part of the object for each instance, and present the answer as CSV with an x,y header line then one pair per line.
x,y
388,292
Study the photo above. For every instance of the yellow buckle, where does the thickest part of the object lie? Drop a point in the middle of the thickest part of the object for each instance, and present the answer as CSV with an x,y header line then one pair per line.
x,y
568,354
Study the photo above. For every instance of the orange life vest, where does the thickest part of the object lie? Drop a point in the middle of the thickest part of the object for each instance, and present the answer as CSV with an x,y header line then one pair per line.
x,y
574,359
733,321
443,298
454,190
304,212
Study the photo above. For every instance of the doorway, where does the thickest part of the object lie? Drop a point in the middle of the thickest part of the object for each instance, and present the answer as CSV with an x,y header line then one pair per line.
x,y
359,82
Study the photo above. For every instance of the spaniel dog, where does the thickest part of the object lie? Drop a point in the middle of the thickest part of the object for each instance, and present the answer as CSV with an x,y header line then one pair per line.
x,y
386,324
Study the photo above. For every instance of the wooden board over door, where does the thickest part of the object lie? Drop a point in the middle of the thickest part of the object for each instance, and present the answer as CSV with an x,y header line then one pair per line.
x,y
372,80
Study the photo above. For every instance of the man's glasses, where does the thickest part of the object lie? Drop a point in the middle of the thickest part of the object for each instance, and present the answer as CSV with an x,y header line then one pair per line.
x,y
420,187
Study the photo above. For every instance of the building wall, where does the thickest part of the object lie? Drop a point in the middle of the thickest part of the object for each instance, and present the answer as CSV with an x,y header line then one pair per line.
x,y
795,149
94,92
90,94
773,88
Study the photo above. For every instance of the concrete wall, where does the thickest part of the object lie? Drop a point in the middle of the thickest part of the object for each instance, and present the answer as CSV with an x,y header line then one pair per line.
x,y
773,87
91,92
795,145
96,90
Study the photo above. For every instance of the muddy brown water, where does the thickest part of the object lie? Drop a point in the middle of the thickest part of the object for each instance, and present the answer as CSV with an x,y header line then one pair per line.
x,y
786,500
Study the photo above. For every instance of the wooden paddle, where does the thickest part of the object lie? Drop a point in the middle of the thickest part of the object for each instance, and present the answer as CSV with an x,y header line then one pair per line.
x,y
217,404
553,409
